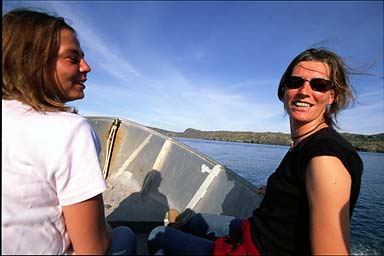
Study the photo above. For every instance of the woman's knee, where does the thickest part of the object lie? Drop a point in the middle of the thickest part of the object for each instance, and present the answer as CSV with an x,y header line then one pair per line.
x,y
124,232
123,240
156,240
156,232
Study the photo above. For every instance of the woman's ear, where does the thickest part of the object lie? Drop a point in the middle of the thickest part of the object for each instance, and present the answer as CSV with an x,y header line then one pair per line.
x,y
331,97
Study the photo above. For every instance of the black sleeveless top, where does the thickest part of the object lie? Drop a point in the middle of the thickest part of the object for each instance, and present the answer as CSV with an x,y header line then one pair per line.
x,y
280,226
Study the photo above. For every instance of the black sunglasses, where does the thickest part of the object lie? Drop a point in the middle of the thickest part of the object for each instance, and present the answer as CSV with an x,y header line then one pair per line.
x,y
317,84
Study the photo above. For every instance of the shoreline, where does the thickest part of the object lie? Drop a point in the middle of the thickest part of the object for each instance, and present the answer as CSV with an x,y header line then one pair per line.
x,y
363,143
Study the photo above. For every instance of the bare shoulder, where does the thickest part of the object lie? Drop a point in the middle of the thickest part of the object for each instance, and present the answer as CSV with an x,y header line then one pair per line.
x,y
327,178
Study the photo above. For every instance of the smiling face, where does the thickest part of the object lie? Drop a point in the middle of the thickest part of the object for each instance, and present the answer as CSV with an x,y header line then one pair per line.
x,y
304,105
70,67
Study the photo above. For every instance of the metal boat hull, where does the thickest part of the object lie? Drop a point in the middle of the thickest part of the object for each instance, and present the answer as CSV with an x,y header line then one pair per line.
x,y
149,173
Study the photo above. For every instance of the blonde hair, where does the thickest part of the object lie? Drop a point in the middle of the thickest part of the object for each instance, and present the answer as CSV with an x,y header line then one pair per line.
x,y
338,75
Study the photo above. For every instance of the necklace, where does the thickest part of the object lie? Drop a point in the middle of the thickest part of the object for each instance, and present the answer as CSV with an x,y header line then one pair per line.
x,y
302,135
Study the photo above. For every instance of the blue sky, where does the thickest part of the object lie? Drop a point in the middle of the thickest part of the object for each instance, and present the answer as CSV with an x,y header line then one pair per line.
x,y
215,65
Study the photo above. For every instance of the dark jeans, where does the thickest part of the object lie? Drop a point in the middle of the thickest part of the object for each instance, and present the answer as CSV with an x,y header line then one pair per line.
x,y
195,237
123,241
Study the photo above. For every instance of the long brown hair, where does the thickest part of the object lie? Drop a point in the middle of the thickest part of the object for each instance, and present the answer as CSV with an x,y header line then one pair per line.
x,y
30,41
339,76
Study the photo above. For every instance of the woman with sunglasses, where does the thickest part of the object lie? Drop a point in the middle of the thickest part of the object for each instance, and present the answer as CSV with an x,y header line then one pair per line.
x,y
310,198
52,182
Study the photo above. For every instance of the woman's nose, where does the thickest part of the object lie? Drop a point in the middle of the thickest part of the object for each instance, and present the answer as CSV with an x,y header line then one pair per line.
x,y
305,88
84,67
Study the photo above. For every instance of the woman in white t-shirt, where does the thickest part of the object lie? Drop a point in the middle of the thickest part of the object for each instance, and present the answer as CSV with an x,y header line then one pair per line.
x,y
52,183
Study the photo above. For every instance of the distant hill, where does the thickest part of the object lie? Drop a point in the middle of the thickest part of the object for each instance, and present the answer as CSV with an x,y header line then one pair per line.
x,y
365,143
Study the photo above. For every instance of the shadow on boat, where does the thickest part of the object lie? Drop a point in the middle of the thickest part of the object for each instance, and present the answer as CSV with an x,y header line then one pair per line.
x,y
145,209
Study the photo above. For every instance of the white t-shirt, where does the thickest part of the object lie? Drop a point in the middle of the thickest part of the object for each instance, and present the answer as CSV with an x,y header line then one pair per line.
x,y
48,161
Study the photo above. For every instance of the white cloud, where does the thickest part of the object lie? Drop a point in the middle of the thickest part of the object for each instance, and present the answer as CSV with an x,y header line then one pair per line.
x,y
172,102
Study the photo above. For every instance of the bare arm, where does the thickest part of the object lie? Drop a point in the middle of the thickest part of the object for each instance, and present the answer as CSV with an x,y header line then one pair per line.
x,y
328,186
87,228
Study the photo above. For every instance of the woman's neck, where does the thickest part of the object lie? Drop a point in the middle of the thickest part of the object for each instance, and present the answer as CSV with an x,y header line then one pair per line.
x,y
300,132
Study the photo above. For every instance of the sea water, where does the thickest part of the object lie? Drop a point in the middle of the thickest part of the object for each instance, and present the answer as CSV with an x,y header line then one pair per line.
x,y
255,162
